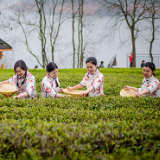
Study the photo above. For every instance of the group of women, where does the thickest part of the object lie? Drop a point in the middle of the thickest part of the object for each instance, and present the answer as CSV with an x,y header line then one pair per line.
x,y
93,81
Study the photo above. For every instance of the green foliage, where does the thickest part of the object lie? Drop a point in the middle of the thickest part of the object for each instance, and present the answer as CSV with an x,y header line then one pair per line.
x,y
108,127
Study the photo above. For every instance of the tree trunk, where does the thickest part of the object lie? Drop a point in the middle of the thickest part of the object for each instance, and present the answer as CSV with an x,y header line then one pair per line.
x,y
73,30
133,47
53,43
81,17
150,48
41,33
153,37
79,38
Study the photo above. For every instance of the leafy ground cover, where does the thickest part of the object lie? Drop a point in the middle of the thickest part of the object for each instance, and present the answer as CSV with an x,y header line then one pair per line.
x,y
108,127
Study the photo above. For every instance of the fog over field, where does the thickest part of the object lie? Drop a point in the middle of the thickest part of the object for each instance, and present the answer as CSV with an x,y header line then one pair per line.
x,y
94,36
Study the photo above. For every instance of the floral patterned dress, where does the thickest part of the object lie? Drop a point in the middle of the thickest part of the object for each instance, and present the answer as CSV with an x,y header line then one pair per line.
x,y
50,86
152,84
28,86
96,80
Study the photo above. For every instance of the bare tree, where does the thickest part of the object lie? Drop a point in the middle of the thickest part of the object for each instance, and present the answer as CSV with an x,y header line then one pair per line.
x,y
81,32
80,47
79,38
129,11
154,11
42,29
73,32
153,30
31,26
54,34
21,21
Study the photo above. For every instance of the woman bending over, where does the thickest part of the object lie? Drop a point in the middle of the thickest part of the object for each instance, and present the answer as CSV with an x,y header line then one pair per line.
x,y
50,83
150,85
24,81
93,80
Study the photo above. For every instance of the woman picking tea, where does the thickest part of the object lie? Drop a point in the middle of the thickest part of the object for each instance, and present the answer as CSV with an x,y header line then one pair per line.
x,y
150,85
50,83
24,81
93,80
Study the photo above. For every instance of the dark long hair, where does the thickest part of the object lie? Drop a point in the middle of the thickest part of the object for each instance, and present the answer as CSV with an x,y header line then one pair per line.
x,y
51,66
91,60
151,66
21,64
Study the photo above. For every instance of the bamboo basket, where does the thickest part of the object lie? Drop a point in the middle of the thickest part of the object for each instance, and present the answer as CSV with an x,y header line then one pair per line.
x,y
74,93
127,93
8,90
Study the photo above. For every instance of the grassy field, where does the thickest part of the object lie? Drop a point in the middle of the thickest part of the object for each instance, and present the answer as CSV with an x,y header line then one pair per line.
x,y
103,128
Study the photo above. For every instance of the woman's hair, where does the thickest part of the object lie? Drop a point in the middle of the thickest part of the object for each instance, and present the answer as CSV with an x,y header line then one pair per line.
x,y
51,66
150,65
91,60
21,64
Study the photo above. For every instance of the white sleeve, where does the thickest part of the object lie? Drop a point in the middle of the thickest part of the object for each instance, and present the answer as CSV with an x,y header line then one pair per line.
x,y
83,82
153,86
13,80
139,89
30,85
50,91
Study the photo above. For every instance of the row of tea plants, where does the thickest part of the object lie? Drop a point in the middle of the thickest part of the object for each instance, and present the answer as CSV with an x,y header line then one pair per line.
x,y
108,127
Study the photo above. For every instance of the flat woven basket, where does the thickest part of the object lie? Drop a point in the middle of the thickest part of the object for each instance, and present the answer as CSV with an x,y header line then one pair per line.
x,y
127,93
73,93
8,89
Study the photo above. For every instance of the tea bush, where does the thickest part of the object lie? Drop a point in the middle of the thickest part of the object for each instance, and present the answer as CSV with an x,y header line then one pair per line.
x,y
108,127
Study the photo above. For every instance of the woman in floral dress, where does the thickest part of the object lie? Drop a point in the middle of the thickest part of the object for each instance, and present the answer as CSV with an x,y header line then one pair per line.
x,y
93,80
24,81
150,85
50,83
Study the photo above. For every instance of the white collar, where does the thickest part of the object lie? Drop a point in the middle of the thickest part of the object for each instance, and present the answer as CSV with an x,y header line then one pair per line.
x,y
150,78
96,72
48,76
23,75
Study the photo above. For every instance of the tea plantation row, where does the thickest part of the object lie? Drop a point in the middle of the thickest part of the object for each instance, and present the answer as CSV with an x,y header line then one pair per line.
x,y
108,127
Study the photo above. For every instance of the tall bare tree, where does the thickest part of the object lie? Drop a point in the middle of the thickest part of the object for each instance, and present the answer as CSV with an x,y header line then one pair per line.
x,y
81,32
152,11
29,26
130,11
154,15
42,30
78,51
73,32
55,32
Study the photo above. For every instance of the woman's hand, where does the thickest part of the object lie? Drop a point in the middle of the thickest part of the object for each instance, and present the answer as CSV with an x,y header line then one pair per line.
x,y
16,97
70,88
127,87
61,90
138,94
22,95
85,93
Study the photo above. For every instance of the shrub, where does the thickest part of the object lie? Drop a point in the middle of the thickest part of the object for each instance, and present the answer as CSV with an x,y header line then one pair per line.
x,y
108,127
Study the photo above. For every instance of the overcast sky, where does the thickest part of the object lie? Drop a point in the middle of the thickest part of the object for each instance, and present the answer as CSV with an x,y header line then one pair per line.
x,y
93,31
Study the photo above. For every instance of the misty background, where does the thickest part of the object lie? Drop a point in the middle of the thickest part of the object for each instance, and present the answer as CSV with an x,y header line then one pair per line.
x,y
98,43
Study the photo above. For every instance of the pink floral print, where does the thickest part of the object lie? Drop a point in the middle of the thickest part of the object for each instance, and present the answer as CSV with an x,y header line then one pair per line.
x,y
96,80
28,86
152,84
48,89
48,86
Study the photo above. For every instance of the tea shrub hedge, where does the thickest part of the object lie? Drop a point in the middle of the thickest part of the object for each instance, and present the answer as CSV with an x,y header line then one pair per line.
x,y
108,127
